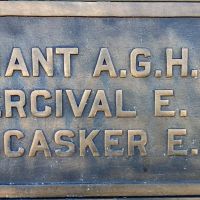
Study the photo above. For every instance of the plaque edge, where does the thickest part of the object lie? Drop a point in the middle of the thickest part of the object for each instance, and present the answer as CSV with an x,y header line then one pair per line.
x,y
99,9
99,190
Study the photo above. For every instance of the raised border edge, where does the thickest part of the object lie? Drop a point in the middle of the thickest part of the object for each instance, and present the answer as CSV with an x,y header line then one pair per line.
x,y
99,9
99,190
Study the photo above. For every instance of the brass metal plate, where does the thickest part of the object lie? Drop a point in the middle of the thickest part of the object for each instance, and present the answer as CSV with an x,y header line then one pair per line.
x,y
99,99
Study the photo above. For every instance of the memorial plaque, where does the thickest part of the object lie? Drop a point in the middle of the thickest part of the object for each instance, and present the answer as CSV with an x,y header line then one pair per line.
x,y
99,99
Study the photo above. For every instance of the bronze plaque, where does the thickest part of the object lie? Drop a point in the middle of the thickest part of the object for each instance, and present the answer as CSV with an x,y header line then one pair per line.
x,y
99,99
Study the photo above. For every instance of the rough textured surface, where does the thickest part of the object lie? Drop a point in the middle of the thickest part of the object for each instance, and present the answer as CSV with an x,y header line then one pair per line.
x,y
89,35
120,36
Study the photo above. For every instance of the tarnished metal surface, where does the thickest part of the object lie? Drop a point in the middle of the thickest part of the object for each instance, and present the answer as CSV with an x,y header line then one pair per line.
x,y
99,106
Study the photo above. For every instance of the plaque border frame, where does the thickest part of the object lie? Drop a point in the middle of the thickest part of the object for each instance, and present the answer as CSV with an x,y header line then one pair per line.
x,y
178,9
99,9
